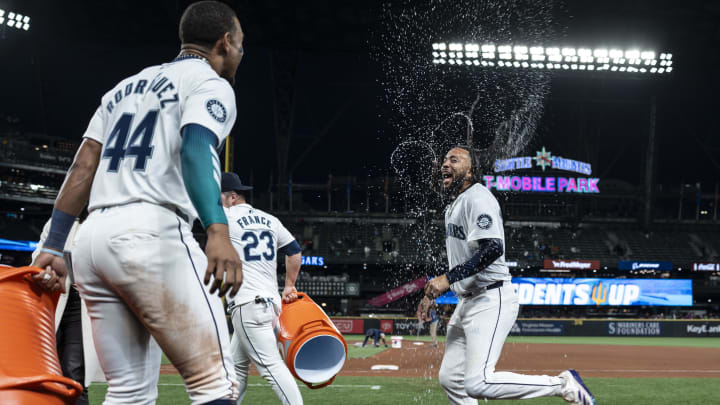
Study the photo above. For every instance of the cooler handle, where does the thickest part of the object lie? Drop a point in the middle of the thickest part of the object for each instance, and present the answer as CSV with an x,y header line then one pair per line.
x,y
9,273
47,381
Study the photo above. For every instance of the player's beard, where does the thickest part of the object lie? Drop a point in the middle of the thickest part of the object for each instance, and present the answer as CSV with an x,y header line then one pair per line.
x,y
453,189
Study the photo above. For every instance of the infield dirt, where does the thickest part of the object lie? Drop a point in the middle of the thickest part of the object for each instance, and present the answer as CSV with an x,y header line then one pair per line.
x,y
538,358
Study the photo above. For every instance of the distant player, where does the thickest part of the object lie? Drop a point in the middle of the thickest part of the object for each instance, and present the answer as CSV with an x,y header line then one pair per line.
x,y
258,237
148,163
376,336
488,305
434,320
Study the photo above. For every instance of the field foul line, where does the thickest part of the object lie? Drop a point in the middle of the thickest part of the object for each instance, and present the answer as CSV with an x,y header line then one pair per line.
x,y
372,387
591,370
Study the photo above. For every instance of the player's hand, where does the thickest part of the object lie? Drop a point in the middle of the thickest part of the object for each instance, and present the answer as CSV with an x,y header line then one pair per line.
x,y
54,273
436,287
289,294
423,307
223,262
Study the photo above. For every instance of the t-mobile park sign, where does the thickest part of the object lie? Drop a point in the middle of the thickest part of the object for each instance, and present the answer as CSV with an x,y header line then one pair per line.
x,y
572,264
543,159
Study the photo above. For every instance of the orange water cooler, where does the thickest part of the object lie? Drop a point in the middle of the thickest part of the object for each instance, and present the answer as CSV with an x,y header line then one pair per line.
x,y
29,367
312,347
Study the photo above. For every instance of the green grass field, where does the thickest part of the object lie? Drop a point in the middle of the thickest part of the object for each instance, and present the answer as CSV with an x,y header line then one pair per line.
x,y
403,390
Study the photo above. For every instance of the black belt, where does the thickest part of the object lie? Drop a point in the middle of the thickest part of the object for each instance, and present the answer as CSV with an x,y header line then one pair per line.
x,y
182,215
482,290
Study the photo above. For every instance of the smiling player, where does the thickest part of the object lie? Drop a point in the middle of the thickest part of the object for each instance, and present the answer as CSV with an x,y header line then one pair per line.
x,y
487,306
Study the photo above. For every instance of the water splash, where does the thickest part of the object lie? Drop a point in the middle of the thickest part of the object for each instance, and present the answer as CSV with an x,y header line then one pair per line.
x,y
433,107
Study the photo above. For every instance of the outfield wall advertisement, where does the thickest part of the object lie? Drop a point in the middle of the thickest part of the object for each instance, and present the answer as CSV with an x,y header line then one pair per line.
x,y
597,291
551,327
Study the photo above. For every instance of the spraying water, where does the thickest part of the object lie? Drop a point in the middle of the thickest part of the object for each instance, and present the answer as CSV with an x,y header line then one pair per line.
x,y
434,107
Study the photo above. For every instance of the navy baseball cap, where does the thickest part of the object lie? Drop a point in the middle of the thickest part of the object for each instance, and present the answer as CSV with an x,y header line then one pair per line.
x,y
231,182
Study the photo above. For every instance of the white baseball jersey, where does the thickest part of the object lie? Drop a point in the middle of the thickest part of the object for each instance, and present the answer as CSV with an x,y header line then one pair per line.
x,y
257,236
475,214
481,323
139,123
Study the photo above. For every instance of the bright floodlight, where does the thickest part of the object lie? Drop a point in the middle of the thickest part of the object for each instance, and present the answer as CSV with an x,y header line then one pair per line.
x,y
14,20
648,55
632,54
568,58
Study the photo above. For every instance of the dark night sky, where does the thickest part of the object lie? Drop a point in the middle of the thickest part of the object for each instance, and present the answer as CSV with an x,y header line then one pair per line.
x,y
54,75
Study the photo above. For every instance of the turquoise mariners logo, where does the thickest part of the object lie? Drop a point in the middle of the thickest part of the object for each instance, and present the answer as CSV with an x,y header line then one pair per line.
x,y
217,110
543,158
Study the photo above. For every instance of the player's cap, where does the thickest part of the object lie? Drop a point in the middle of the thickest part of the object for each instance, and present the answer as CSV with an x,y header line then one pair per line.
x,y
382,334
231,182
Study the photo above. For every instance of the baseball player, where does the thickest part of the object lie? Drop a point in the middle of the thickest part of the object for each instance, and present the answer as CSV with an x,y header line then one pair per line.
x,y
434,320
376,336
258,237
148,164
488,305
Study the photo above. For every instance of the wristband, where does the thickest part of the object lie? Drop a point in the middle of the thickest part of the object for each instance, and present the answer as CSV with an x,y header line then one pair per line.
x,y
60,225
52,252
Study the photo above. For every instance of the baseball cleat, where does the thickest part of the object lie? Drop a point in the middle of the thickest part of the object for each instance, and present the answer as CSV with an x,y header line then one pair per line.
x,y
574,390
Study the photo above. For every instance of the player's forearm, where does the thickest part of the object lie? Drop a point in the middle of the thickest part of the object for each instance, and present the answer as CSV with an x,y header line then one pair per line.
x,y
75,190
292,269
487,252
74,193
201,173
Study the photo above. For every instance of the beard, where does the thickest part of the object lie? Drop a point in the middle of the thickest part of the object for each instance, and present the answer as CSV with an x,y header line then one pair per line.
x,y
452,190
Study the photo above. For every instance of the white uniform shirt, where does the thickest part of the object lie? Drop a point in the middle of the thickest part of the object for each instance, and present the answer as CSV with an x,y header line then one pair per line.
x,y
139,122
257,236
475,214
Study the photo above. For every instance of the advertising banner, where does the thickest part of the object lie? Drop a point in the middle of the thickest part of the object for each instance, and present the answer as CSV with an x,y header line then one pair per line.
x,y
634,328
572,264
19,245
399,292
538,328
700,328
604,291
696,266
386,326
349,325
630,265
597,291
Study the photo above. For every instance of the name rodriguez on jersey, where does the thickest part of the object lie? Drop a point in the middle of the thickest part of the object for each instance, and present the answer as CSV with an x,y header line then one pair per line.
x,y
160,86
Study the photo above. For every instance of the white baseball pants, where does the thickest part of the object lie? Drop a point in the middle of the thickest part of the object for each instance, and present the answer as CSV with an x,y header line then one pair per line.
x,y
254,340
476,333
140,271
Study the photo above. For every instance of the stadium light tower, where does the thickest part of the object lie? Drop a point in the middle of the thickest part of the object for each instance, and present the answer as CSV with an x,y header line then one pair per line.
x,y
622,62
14,20
517,56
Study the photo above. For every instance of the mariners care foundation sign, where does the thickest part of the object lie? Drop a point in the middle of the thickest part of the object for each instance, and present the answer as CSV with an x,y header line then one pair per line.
x,y
543,159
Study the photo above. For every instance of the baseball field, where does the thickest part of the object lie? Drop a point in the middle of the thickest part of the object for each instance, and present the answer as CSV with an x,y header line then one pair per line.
x,y
619,370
